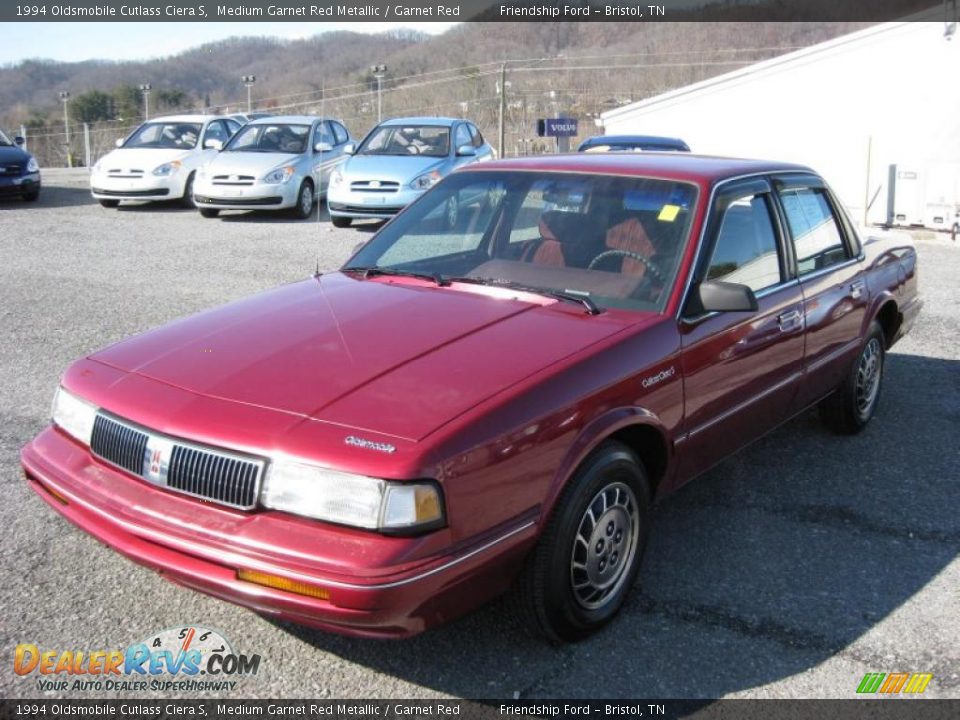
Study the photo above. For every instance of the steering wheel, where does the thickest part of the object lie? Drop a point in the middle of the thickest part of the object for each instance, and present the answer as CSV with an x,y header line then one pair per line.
x,y
655,271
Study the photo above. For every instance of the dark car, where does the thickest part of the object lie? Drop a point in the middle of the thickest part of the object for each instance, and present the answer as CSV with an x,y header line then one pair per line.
x,y
19,171
632,143
378,449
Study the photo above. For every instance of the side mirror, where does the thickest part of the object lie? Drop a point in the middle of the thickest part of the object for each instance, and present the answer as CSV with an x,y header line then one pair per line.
x,y
18,140
466,151
717,296
349,149
212,144
119,142
322,147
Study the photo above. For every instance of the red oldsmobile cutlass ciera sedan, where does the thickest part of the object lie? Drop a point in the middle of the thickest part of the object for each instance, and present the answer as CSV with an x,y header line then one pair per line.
x,y
461,409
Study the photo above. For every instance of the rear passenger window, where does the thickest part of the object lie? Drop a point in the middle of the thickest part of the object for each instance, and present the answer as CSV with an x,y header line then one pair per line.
x,y
817,239
746,247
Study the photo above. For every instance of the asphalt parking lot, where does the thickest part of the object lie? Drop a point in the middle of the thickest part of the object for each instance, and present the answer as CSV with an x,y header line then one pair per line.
x,y
789,571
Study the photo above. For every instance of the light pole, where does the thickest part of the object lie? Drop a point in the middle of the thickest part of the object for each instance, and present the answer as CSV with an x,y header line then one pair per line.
x,y
145,89
249,80
378,72
65,97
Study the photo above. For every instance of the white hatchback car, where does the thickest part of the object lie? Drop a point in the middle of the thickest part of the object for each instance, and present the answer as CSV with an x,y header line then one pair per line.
x,y
159,160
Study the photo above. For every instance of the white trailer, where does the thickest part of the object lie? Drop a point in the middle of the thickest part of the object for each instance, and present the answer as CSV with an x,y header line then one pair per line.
x,y
923,196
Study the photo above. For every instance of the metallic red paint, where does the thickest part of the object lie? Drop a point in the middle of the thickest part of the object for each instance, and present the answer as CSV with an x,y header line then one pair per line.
x,y
498,399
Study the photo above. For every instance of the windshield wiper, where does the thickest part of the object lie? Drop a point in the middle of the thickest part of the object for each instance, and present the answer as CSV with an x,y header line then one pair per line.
x,y
374,270
573,296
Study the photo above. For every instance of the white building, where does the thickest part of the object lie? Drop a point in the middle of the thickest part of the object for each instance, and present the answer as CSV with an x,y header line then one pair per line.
x,y
887,94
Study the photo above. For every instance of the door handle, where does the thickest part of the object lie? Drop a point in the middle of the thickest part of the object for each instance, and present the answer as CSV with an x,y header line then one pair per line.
x,y
856,289
791,320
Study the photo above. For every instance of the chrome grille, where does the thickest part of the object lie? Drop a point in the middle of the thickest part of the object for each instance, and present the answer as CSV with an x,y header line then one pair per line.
x,y
233,179
119,444
207,473
11,170
384,186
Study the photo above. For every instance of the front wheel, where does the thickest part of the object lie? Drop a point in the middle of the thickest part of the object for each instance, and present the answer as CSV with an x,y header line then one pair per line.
x,y
31,196
187,200
848,410
209,212
340,221
578,576
110,203
304,201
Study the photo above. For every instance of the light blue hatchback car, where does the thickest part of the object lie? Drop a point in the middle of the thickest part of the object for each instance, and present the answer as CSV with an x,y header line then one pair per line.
x,y
397,162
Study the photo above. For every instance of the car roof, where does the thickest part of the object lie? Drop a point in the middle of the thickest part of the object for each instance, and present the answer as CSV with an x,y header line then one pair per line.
x,y
302,119
649,140
673,165
423,120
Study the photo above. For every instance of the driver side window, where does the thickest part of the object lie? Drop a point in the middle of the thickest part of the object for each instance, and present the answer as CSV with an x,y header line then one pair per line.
x,y
746,248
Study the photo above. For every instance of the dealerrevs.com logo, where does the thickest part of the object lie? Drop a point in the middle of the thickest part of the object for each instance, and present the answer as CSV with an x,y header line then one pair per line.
x,y
186,659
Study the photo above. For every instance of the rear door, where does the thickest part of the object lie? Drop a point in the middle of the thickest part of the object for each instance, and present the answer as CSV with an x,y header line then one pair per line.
x,y
741,369
829,265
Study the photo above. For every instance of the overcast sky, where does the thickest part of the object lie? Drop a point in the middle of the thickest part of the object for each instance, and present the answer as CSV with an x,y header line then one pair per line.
x,y
72,42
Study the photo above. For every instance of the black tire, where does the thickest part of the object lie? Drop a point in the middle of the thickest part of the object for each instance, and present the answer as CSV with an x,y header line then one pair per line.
x,y
303,208
187,200
954,231
209,212
340,222
110,203
582,568
31,196
848,410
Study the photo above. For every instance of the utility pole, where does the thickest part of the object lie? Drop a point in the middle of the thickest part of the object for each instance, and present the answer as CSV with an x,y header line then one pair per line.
x,y
249,80
65,97
503,107
145,89
378,72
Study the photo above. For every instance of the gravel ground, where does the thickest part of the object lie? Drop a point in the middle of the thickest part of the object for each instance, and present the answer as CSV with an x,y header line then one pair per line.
x,y
789,571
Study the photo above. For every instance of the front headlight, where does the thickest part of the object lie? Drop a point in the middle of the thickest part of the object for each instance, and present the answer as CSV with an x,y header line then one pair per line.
x,y
73,415
280,175
32,165
348,499
336,177
167,169
426,181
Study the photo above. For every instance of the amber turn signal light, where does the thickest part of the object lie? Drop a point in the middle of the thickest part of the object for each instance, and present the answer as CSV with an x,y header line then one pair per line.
x,y
282,583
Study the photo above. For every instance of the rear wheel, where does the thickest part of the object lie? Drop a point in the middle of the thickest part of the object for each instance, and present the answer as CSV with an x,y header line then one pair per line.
x,y
848,410
340,222
304,200
209,212
578,576
452,211
110,203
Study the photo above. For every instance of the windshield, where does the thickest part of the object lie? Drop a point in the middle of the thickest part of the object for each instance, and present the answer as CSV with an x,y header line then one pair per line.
x,y
429,140
616,241
4,140
176,135
270,138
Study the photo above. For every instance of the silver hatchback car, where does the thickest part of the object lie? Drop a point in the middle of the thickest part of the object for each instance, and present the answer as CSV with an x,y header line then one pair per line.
x,y
272,163
398,161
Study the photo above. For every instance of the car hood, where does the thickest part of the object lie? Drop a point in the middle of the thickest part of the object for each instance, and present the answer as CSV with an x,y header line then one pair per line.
x,y
249,163
145,159
400,168
392,356
13,155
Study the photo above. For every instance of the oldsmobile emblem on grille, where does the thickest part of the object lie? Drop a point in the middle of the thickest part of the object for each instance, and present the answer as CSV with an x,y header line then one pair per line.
x,y
374,183
370,444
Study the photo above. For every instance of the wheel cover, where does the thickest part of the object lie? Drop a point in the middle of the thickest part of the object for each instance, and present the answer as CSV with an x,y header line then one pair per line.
x,y
453,211
306,199
605,545
868,377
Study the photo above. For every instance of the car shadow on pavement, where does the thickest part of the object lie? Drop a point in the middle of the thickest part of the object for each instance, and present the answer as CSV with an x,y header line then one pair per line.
x,y
52,197
781,558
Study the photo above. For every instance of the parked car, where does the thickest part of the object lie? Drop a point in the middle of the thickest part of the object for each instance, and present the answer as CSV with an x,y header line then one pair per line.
x,y
159,160
273,163
19,171
632,143
397,162
379,449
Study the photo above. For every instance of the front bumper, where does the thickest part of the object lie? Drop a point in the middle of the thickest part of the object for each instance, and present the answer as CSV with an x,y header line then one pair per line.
x,y
148,187
246,197
19,186
202,546
343,202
